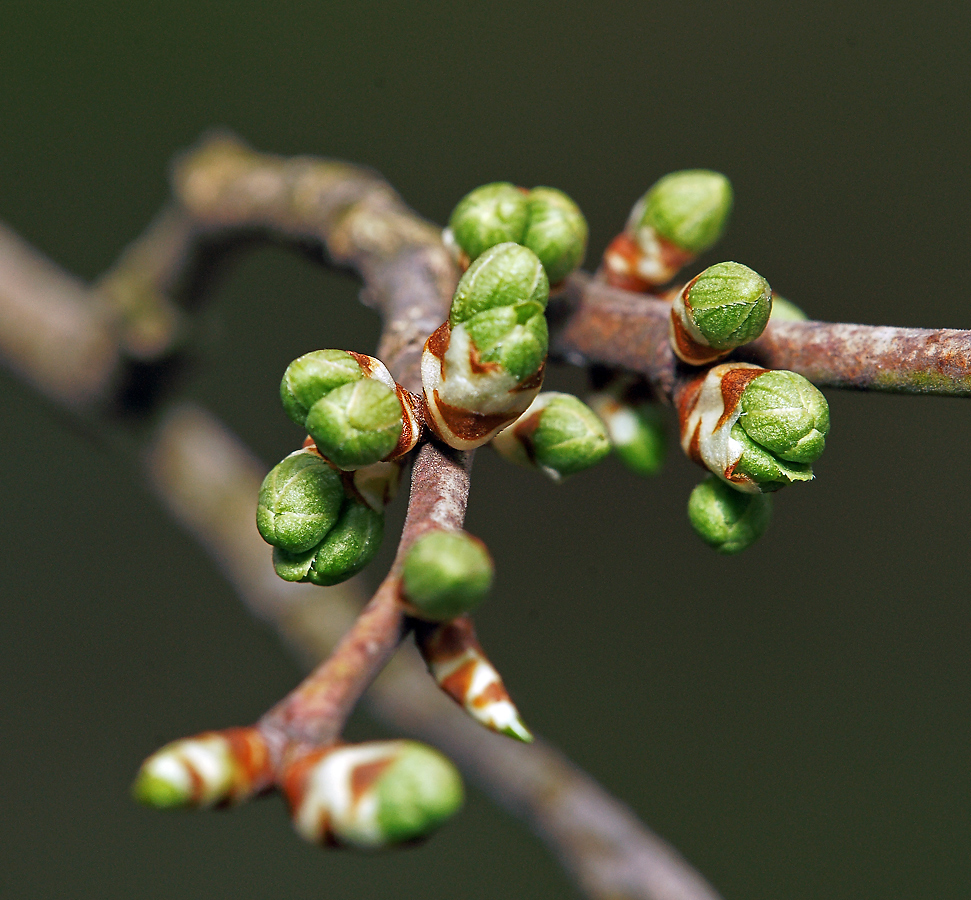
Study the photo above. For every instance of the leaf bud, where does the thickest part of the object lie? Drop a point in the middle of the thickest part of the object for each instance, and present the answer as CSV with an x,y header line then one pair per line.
x,y
212,768
636,431
558,434
446,574
680,216
347,549
544,219
483,367
299,502
724,307
461,669
372,795
727,519
754,428
356,424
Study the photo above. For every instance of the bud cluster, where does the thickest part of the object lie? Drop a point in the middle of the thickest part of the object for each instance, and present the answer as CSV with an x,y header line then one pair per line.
x,y
483,367
544,219
371,795
322,528
558,434
680,216
754,428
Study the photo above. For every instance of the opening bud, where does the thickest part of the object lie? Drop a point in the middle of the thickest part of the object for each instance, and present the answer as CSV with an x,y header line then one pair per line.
x,y
314,375
558,434
724,307
754,428
482,368
446,574
299,502
212,768
347,548
356,424
727,519
372,795
544,219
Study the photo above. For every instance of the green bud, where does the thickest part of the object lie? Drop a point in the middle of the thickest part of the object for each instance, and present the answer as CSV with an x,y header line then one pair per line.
x,y
558,433
490,215
507,275
688,208
356,424
545,220
299,502
417,793
446,574
376,794
637,434
727,519
787,415
785,311
348,547
725,306
311,376
782,426
556,233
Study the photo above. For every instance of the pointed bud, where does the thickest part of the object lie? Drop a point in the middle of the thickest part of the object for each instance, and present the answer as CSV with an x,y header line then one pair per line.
x,y
484,366
727,519
785,310
544,219
636,431
681,216
299,502
357,424
754,428
724,307
347,549
558,434
461,669
372,795
215,767
446,574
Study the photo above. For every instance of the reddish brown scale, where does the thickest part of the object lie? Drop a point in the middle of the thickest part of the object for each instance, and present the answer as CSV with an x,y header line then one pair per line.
x,y
367,363
476,364
534,381
446,641
688,348
250,750
687,399
494,692
437,344
733,383
458,683
468,425
292,778
673,257
412,407
364,775
694,446
620,265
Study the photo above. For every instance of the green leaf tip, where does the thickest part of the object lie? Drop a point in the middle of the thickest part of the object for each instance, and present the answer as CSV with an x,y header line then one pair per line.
x,y
152,790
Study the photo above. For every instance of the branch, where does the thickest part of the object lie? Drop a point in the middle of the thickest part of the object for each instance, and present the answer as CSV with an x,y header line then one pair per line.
x,y
597,323
208,481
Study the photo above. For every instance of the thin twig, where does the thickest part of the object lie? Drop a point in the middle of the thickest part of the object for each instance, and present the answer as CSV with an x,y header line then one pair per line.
x,y
596,323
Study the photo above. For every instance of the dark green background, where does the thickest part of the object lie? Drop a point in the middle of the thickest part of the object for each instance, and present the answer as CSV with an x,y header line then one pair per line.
x,y
796,720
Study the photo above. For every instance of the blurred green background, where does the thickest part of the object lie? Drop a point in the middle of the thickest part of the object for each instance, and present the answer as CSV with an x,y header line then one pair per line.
x,y
796,720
